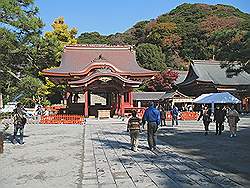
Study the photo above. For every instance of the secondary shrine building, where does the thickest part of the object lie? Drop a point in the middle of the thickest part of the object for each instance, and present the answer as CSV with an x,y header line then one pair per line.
x,y
98,77
208,76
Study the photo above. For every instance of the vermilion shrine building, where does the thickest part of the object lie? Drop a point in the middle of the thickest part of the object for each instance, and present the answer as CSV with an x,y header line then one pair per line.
x,y
98,77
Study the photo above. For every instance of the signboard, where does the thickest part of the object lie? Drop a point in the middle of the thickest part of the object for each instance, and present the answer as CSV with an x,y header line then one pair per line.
x,y
105,79
182,100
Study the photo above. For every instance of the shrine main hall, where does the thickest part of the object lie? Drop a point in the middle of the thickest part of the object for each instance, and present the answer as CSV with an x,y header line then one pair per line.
x,y
98,77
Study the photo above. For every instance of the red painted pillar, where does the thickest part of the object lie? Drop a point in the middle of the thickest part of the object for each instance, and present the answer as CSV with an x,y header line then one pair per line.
x,y
131,98
86,106
122,105
117,104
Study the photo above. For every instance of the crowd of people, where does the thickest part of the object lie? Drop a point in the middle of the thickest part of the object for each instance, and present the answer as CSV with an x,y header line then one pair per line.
x,y
156,117
220,115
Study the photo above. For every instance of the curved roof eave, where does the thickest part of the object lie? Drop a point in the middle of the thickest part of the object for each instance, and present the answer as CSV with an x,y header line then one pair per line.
x,y
96,75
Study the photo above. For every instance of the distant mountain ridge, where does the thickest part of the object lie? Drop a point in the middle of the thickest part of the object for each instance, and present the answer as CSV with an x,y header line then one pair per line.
x,y
190,31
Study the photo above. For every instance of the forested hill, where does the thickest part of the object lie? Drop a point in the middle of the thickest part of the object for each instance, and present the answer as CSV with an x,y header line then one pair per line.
x,y
190,31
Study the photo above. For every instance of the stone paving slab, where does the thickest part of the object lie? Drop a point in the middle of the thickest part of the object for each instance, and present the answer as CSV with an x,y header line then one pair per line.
x,y
98,155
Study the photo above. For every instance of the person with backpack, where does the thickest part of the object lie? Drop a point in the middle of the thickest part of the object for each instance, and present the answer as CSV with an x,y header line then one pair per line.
x,y
19,122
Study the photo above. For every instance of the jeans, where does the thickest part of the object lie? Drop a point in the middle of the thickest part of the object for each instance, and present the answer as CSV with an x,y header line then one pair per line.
x,y
152,138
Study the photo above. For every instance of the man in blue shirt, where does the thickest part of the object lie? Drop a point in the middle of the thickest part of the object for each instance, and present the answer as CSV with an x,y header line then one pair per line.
x,y
174,112
152,116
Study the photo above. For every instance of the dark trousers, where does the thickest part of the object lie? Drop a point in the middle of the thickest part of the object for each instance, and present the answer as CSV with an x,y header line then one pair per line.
x,y
218,127
19,128
152,138
174,119
206,126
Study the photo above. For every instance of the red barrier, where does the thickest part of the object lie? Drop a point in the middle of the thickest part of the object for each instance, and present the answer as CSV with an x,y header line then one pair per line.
x,y
140,111
168,116
62,119
184,116
189,115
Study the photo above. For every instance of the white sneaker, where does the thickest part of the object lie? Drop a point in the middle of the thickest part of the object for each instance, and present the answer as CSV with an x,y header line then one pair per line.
x,y
231,136
234,135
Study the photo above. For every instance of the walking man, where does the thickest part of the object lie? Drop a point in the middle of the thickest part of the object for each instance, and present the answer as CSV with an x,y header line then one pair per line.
x,y
19,122
174,113
219,118
233,118
163,116
134,129
152,116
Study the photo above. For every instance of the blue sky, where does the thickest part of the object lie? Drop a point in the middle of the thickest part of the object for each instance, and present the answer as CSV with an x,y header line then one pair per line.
x,y
112,16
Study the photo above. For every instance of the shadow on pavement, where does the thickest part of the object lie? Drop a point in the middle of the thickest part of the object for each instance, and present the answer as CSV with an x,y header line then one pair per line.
x,y
229,154
8,138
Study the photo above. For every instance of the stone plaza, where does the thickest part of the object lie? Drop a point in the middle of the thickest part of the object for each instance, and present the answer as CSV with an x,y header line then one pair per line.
x,y
97,154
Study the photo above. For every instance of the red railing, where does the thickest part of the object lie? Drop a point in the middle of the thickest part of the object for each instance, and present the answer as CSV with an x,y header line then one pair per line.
x,y
62,119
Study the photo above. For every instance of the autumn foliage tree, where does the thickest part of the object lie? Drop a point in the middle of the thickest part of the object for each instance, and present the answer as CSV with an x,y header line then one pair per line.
x,y
162,81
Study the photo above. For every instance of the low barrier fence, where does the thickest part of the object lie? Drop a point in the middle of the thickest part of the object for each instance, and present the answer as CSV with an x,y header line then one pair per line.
x,y
62,119
183,115
189,115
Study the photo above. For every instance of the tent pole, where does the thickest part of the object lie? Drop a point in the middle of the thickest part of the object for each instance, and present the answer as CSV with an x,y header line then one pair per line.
x,y
213,107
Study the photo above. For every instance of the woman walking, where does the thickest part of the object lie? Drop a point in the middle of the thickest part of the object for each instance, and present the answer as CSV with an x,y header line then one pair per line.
x,y
205,114
233,118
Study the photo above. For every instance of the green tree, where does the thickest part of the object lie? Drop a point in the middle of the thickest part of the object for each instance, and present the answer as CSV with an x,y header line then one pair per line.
x,y
19,33
92,38
232,46
50,51
56,39
150,57
29,91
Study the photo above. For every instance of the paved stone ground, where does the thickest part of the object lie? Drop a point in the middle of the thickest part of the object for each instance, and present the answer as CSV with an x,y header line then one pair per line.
x,y
98,155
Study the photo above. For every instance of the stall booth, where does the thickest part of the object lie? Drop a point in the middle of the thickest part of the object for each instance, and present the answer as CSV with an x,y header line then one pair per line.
x,y
182,102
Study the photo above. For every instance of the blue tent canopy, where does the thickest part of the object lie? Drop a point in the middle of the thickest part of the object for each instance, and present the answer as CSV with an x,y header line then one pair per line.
x,y
217,98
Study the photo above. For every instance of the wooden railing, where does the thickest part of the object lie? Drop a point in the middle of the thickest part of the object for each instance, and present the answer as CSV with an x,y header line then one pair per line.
x,y
62,119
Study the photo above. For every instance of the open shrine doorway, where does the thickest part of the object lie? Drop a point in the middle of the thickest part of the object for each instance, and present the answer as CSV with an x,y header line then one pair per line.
x,y
111,94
